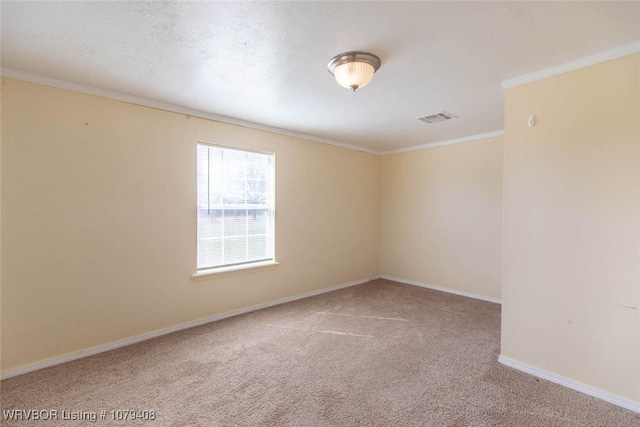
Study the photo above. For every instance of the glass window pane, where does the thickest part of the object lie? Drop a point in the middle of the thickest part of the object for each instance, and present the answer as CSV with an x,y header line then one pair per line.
x,y
203,171
235,222
235,250
209,223
234,217
215,176
257,247
257,221
257,174
209,253
234,178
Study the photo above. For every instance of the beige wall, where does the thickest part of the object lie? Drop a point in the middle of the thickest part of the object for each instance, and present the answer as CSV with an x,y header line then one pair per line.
x,y
441,216
98,220
571,283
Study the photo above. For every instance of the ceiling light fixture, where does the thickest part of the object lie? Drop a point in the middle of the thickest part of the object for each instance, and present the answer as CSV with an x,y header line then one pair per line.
x,y
354,70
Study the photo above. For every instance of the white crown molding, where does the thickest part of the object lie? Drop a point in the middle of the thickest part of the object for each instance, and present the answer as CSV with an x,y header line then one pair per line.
x,y
146,102
442,289
447,142
569,383
164,331
607,55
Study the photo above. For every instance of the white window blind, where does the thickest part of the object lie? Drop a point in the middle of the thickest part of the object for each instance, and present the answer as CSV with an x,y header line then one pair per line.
x,y
235,207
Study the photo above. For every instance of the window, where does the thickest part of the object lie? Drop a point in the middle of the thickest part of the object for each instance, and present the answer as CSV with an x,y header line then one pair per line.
x,y
235,207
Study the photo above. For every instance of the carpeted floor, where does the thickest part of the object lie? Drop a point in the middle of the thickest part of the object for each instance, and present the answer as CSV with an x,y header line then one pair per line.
x,y
378,354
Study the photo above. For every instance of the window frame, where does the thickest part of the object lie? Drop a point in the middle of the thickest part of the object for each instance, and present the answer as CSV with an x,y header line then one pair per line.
x,y
226,269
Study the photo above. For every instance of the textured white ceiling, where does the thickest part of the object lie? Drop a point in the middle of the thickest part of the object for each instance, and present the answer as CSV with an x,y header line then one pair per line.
x,y
266,62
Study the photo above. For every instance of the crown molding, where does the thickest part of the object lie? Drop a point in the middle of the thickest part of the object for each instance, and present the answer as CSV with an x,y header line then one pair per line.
x,y
608,55
147,102
587,61
446,142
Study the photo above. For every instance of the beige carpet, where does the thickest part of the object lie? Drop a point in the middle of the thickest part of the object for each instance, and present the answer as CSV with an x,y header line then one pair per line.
x,y
378,354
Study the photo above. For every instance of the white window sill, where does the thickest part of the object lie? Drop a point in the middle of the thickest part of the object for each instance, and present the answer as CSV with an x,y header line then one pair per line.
x,y
236,269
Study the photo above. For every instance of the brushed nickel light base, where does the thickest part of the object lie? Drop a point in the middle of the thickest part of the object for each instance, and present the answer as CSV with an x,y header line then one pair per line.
x,y
354,78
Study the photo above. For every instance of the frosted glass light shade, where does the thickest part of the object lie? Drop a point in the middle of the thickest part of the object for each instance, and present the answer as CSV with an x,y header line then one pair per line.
x,y
353,70
354,75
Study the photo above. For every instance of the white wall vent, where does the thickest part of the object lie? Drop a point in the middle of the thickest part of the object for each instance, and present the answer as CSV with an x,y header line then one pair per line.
x,y
437,117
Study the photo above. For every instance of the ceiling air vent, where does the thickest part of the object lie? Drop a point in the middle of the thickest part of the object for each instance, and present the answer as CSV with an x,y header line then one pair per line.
x,y
437,117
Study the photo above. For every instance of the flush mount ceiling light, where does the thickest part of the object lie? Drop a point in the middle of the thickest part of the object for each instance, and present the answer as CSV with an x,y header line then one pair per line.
x,y
354,70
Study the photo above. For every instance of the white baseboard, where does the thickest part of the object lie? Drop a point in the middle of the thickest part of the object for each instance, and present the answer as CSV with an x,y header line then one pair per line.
x,y
164,331
443,289
572,384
